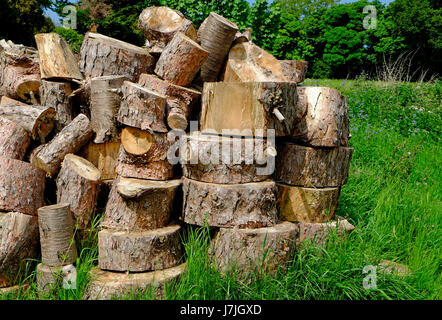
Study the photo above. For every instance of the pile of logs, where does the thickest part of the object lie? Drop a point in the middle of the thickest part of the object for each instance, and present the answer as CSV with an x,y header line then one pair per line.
x,y
103,130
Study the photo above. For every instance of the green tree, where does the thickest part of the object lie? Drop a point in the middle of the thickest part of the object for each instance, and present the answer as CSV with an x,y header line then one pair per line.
x,y
303,8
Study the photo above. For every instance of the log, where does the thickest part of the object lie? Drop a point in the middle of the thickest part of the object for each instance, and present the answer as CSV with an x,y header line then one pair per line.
x,y
57,235
37,120
21,186
241,37
103,156
14,140
51,278
107,285
142,108
105,103
180,60
104,56
326,123
180,101
14,290
57,61
69,140
78,184
248,63
57,95
235,160
249,205
216,37
294,70
319,232
18,245
312,168
243,250
160,24
140,251
140,205
252,107
307,204
4,101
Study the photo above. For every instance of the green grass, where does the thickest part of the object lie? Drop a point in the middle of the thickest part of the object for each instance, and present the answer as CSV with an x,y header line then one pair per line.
x,y
393,197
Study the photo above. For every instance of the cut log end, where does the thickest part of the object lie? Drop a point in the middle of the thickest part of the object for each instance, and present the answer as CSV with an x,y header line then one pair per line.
x,y
136,141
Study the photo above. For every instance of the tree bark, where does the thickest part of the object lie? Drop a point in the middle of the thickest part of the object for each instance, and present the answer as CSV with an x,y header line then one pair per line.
x,y
14,140
142,108
319,232
21,186
69,140
216,37
57,60
312,168
78,184
180,60
51,278
140,205
249,205
251,107
57,235
103,156
294,70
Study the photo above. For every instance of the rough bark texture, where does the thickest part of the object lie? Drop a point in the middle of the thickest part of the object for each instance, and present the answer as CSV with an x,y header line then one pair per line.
x,y
37,120
326,122
57,235
307,204
57,95
51,278
216,37
226,160
14,140
140,205
180,101
69,140
6,100
249,205
107,285
21,186
142,108
159,25
103,156
105,103
244,250
308,167
250,106
180,60
78,184
247,62
18,244
319,232
140,251
294,70
105,56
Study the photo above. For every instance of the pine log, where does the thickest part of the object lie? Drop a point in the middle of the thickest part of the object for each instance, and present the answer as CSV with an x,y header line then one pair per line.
x,y
57,95
253,107
103,156
107,285
326,123
37,120
142,108
249,205
78,184
216,37
294,70
21,186
104,56
249,63
313,168
105,103
140,205
243,250
160,24
151,250
14,140
180,101
226,160
307,204
57,60
57,235
18,245
4,101
180,60
319,232
69,140
51,278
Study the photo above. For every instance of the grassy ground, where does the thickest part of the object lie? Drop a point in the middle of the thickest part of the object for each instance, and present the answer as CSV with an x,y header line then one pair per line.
x,y
393,197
